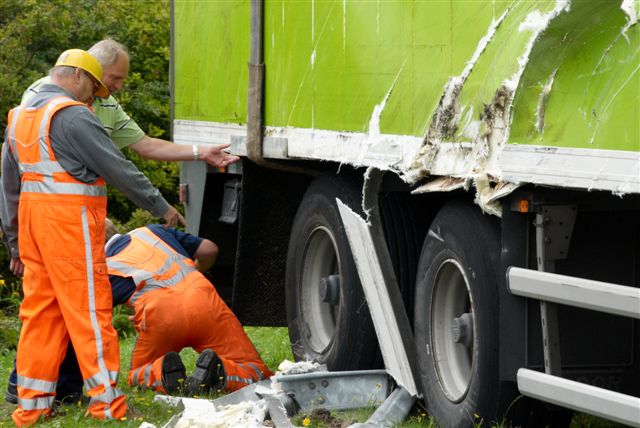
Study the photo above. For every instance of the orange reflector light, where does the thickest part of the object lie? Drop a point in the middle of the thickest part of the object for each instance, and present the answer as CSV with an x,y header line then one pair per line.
x,y
523,205
183,193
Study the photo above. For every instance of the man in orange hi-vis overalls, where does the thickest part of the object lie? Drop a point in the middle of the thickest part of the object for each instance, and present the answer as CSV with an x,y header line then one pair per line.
x,y
151,268
55,161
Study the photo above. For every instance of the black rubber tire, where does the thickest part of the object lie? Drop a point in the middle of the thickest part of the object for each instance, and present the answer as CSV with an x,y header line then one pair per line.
x,y
404,233
347,340
464,243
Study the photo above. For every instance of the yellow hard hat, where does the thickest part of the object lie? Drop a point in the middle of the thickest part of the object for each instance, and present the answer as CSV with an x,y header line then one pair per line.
x,y
87,62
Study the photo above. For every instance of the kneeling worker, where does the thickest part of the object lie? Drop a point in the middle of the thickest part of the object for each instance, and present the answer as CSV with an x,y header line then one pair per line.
x,y
151,269
175,306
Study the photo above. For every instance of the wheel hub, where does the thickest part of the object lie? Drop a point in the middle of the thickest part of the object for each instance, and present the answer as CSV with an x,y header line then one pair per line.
x,y
462,329
319,288
330,289
452,330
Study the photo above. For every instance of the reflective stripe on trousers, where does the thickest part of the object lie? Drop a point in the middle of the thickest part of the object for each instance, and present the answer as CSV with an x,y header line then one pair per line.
x,y
67,294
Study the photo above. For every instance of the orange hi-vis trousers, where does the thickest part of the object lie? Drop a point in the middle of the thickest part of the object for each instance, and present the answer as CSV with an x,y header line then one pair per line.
x,y
191,314
177,307
67,294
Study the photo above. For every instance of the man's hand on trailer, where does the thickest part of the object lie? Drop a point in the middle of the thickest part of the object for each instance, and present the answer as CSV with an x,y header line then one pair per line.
x,y
217,155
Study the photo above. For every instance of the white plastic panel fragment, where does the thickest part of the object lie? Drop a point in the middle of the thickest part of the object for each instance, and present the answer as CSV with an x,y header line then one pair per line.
x,y
375,290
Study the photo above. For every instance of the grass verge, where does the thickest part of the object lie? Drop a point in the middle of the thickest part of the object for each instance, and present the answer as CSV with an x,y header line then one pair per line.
x,y
273,346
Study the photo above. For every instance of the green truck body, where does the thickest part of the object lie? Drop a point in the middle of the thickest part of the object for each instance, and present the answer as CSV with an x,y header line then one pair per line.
x,y
526,110
482,76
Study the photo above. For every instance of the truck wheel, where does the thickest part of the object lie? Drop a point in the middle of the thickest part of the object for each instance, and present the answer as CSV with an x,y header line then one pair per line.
x,y
327,315
456,317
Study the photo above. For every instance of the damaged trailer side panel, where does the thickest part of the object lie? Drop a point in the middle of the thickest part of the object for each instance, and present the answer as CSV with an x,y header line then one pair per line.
x,y
508,135
460,83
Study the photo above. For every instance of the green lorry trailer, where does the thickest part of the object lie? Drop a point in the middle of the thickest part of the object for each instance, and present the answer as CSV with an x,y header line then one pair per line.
x,y
507,134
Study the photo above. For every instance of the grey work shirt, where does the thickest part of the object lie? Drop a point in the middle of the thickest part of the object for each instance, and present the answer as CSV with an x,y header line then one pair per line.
x,y
85,151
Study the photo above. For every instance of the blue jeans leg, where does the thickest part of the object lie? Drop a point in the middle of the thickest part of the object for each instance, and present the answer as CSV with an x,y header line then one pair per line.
x,y
70,377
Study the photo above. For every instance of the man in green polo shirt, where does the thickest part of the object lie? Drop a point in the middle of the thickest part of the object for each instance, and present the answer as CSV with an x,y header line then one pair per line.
x,y
123,130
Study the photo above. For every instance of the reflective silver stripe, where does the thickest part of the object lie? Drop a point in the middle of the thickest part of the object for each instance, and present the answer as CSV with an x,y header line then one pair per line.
x,y
143,234
146,289
240,379
36,384
39,403
45,168
12,131
63,188
96,380
135,376
170,282
257,370
172,256
106,397
138,275
42,132
88,251
153,284
149,237
151,278
147,374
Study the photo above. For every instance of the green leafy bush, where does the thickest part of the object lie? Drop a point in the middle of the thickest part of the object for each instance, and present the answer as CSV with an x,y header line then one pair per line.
x,y
10,287
9,331
33,33
121,321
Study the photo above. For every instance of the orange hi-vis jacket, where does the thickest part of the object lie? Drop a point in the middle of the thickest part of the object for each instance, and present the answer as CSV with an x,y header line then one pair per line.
x,y
177,307
66,288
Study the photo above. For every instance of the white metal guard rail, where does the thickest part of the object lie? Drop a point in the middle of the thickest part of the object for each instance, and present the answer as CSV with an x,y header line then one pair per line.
x,y
587,294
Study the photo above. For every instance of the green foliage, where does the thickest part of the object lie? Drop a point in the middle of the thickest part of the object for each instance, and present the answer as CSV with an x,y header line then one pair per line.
x,y
9,331
10,298
33,33
272,344
164,175
10,295
121,321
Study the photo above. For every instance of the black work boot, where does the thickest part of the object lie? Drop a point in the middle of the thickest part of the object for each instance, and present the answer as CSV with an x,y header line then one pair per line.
x,y
208,375
173,372
11,396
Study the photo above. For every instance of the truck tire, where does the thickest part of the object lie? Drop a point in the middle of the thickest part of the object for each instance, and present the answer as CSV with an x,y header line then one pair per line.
x,y
327,315
456,317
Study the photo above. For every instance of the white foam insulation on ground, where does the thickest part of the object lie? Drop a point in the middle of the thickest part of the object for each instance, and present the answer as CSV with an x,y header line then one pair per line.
x,y
203,413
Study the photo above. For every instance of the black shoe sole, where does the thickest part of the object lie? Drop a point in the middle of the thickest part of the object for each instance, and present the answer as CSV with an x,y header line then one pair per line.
x,y
206,374
173,372
11,394
10,398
